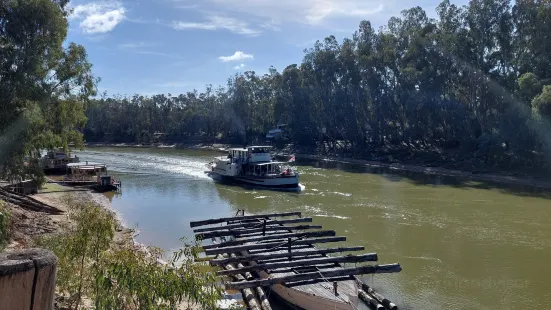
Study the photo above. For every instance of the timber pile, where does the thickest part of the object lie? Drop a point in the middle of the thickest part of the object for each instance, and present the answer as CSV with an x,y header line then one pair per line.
x,y
246,245
27,202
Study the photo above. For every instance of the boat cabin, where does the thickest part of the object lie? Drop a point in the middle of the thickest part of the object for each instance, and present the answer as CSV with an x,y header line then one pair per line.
x,y
85,172
251,154
270,169
56,159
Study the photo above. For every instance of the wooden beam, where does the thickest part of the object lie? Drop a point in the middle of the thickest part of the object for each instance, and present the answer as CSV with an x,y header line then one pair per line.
x,y
391,268
294,248
246,217
306,262
306,234
254,224
272,245
249,258
238,232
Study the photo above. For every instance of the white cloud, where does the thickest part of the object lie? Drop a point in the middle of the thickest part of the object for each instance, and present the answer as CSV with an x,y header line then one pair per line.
x,y
240,66
98,17
134,45
311,12
215,22
237,56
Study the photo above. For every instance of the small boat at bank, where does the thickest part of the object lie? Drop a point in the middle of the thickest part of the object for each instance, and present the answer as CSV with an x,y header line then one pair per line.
x,y
91,174
254,166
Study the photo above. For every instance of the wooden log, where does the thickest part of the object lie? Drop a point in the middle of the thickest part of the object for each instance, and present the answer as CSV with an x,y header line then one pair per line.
x,y
246,217
27,280
391,268
370,301
272,245
306,234
281,255
248,294
385,302
253,224
238,232
27,202
264,302
307,262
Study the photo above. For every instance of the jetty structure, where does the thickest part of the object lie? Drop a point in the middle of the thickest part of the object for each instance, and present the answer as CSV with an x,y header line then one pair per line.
x,y
259,254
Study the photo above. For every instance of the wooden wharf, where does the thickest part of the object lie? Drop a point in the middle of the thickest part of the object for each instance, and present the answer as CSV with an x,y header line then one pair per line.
x,y
262,254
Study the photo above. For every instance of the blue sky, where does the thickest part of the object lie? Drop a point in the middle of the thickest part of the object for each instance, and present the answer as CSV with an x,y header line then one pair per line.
x,y
173,46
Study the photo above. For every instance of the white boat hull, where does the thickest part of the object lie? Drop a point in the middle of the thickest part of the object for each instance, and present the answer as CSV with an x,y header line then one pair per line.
x,y
310,301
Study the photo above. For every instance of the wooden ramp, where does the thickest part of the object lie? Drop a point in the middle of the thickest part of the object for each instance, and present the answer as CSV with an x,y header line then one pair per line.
x,y
260,253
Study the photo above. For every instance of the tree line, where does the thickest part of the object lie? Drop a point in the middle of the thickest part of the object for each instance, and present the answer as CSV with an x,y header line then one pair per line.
x,y
472,83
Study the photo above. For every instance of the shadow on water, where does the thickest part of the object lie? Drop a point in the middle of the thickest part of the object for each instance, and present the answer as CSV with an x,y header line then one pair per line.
x,y
420,178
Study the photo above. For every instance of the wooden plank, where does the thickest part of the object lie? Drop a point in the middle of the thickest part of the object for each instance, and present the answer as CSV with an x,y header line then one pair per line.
x,y
246,217
238,232
307,262
253,224
306,234
272,245
391,268
307,253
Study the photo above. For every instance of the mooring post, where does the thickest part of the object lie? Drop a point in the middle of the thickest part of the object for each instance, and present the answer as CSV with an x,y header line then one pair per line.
x,y
264,228
27,280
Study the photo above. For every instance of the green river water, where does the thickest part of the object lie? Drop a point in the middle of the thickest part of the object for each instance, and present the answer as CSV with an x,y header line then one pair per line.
x,y
462,245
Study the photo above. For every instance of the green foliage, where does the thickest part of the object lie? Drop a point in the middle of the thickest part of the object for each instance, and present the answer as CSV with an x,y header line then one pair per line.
x,y
45,86
463,81
123,277
5,225
542,102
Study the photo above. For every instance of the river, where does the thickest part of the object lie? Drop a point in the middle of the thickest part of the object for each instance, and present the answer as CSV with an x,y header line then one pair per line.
x,y
462,245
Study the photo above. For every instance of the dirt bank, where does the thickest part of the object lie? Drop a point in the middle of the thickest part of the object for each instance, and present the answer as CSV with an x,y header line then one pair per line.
x,y
29,224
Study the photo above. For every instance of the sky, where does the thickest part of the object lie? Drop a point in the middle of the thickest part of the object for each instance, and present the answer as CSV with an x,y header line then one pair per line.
x,y
174,46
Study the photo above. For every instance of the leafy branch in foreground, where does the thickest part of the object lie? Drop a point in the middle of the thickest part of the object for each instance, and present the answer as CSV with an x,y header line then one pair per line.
x,y
124,277
5,225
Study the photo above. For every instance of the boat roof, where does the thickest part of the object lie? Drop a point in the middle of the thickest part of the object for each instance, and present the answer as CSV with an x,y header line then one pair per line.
x,y
84,165
267,163
250,147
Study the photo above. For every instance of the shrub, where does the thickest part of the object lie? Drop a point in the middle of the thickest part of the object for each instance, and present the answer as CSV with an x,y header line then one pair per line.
x,y
122,277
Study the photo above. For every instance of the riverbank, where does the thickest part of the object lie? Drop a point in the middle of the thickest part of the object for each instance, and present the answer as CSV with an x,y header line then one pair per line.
x,y
29,225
